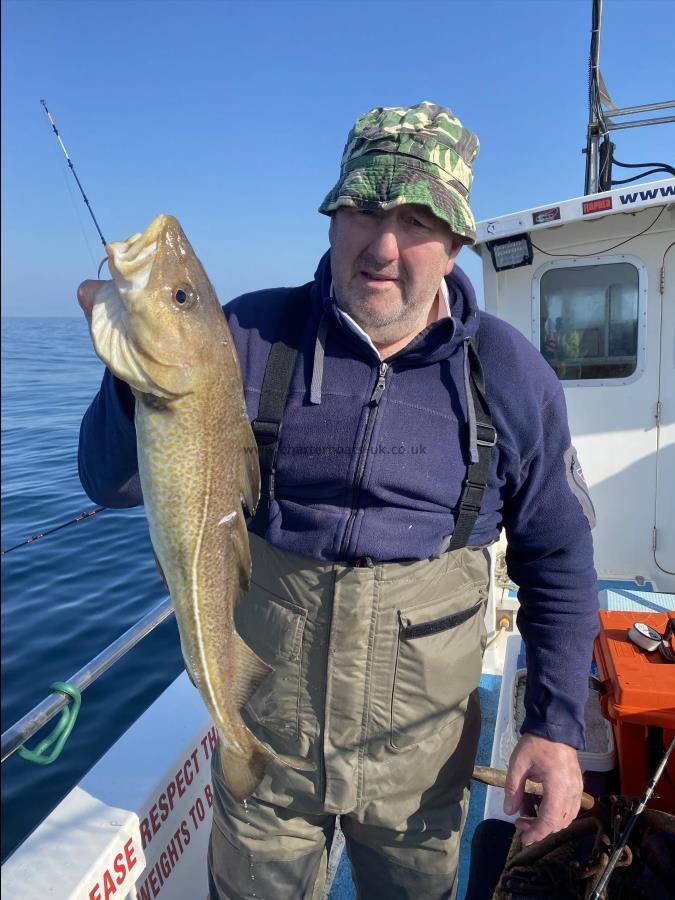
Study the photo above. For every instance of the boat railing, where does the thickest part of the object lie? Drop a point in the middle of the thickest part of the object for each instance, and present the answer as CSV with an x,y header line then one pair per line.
x,y
26,727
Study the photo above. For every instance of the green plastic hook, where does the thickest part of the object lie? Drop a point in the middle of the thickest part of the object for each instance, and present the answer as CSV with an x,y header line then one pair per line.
x,y
61,732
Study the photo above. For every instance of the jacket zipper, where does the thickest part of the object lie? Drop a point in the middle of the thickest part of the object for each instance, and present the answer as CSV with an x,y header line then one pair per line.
x,y
373,403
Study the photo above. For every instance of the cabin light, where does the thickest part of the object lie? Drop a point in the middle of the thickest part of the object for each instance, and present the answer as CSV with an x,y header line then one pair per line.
x,y
511,252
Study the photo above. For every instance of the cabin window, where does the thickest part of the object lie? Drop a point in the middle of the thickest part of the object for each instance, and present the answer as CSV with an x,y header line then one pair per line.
x,y
588,320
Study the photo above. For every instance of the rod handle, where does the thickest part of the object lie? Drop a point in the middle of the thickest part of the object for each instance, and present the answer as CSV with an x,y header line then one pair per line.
x,y
497,778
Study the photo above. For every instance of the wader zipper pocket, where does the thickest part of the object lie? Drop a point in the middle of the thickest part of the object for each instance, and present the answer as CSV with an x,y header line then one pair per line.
x,y
438,663
410,632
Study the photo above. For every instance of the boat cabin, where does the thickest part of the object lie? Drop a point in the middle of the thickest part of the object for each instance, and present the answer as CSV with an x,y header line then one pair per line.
x,y
591,282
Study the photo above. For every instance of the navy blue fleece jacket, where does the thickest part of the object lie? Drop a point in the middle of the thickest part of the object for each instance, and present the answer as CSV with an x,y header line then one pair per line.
x,y
401,504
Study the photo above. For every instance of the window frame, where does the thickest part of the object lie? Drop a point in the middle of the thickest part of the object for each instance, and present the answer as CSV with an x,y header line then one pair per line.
x,y
586,262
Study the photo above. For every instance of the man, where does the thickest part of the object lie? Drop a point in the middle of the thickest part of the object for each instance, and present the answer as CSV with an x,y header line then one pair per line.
x,y
399,430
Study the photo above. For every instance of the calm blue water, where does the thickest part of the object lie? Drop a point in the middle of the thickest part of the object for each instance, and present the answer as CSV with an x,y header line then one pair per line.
x,y
68,595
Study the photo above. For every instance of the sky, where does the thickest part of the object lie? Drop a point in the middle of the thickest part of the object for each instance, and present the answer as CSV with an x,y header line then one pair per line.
x,y
232,116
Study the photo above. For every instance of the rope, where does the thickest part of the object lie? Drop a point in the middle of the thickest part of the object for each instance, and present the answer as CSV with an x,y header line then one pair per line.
x,y
61,732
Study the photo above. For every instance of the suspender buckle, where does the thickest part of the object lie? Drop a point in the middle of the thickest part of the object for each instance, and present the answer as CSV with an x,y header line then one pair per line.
x,y
472,496
266,432
487,435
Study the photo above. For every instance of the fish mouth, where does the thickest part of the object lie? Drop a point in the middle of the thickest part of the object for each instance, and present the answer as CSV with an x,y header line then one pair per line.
x,y
130,262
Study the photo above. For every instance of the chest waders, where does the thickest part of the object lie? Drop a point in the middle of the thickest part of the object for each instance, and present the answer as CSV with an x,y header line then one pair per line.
x,y
376,667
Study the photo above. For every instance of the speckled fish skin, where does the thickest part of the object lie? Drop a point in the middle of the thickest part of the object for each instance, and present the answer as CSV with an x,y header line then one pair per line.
x,y
159,326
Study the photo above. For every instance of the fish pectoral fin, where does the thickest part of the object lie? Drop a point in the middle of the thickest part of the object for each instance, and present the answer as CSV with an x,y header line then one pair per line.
x,y
239,554
251,672
249,471
160,569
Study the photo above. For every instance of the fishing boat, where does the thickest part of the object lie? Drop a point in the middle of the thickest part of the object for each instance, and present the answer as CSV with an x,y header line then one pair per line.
x,y
591,282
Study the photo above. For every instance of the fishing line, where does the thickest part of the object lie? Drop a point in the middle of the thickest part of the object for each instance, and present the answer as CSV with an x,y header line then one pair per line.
x,y
36,537
644,637
78,216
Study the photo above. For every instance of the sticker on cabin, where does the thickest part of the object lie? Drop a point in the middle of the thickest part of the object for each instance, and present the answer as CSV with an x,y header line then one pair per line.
x,y
645,196
578,486
542,216
501,226
593,206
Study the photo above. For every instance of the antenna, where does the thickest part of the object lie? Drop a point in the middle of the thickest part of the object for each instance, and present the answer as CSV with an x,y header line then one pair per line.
x,y
599,158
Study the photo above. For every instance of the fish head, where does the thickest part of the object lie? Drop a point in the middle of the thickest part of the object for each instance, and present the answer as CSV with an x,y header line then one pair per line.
x,y
154,325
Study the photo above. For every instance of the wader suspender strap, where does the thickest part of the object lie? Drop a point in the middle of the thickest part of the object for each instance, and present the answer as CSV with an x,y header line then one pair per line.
x,y
477,473
273,393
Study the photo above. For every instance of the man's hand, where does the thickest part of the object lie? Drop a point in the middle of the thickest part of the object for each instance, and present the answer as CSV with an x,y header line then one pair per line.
x,y
85,296
556,766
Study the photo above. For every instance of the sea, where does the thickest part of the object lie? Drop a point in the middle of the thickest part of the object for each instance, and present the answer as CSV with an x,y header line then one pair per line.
x,y
67,595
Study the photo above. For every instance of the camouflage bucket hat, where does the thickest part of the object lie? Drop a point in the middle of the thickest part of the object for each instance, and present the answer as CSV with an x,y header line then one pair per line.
x,y
417,154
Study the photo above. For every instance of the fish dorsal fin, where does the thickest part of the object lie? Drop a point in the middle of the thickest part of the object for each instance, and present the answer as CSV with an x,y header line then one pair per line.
x,y
249,470
251,672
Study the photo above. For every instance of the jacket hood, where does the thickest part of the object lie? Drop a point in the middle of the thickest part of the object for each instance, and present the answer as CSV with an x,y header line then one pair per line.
x,y
438,341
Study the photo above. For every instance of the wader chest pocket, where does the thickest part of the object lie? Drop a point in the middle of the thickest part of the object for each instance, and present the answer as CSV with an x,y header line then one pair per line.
x,y
438,664
273,628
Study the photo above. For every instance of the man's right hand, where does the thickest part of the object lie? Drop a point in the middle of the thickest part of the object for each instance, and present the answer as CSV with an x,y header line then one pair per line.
x,y
85,296
556,766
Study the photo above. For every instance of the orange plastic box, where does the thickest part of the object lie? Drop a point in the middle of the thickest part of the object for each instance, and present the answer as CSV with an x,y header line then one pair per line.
x,y
639,702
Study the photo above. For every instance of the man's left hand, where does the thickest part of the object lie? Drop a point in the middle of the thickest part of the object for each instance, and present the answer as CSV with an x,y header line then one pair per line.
x,y
556,766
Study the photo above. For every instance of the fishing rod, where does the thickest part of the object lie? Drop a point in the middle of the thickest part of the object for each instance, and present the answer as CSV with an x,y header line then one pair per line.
x,y
72,169
601,883
36,537
92,512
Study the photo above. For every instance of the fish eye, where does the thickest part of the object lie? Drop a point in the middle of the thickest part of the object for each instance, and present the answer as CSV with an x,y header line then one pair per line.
x,y
183,295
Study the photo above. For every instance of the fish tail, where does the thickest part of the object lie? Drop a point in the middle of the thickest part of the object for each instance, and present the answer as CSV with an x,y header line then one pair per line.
x,y
269,755
294,762
243,774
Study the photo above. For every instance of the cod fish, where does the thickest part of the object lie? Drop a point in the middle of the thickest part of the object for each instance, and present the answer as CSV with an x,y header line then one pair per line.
x,y
159,327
